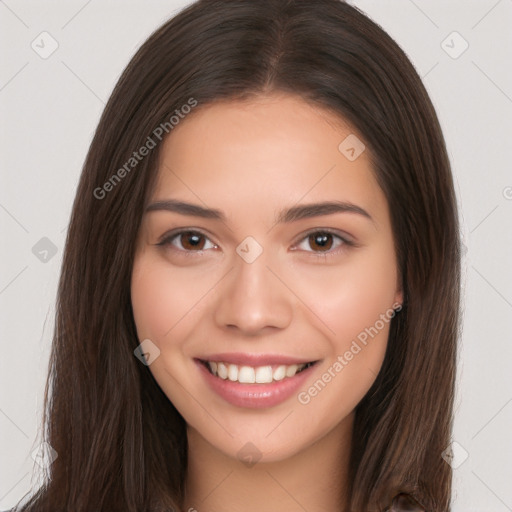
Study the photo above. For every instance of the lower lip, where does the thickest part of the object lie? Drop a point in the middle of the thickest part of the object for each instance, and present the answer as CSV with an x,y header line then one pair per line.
x,y
255,396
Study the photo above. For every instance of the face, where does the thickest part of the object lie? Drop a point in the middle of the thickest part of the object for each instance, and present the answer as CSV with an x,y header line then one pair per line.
x,y
265,274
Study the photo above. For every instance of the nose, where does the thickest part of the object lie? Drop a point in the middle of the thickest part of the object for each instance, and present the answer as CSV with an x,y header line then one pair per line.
x,y
253,300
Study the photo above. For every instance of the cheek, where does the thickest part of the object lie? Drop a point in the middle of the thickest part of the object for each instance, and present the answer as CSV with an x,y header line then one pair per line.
x,y
153,302
163,298
354,303
352,296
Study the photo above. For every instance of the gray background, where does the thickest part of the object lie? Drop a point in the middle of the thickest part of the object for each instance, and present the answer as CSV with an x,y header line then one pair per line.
x,y
49,108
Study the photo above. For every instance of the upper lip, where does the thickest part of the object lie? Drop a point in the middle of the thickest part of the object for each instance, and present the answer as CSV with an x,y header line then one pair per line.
x,y
255,359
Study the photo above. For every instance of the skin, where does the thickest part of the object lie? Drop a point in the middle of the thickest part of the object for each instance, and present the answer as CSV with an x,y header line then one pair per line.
x,y
250,160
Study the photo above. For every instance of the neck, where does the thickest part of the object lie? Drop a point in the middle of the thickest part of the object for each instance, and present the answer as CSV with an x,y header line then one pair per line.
x,y
314,479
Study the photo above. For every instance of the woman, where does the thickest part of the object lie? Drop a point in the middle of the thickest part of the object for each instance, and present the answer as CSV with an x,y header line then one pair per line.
x,y
258,306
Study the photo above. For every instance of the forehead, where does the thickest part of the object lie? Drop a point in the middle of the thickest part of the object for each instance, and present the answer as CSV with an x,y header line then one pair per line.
x,y
266,151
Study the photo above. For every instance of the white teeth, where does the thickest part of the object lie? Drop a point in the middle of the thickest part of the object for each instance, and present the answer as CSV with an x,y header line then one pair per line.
x,y
222,370
250,375
246,375
280,373
263,374
233,372
291,370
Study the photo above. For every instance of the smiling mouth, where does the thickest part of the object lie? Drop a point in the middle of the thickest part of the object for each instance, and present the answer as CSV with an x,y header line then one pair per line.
x,y
254,374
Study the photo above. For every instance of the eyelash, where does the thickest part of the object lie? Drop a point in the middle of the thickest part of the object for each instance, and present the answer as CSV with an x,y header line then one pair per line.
x,y
345,242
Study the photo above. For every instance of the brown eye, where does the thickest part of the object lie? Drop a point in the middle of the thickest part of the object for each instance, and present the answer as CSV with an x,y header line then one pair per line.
x,y
191,240
323,243
320,241
188,241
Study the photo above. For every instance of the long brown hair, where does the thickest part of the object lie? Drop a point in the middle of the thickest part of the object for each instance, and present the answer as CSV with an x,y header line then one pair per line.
x,y
121,444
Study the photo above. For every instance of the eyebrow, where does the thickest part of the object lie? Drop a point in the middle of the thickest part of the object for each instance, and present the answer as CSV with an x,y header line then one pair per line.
x,y
292,214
